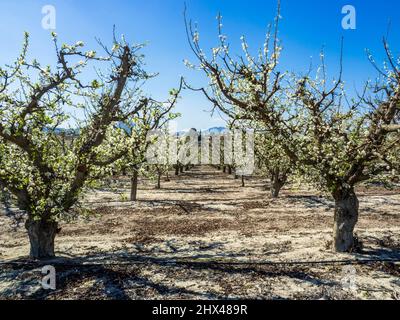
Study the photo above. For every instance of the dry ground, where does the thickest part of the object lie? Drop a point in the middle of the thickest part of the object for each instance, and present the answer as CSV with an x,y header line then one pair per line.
x,y
203,236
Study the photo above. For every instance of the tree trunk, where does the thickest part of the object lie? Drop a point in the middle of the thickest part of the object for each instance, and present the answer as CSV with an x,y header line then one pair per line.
x,y
277,182
224,169
276,187
41,236
134,185
229,170
181,169
114,177
177,170
346,217
243,184
159,181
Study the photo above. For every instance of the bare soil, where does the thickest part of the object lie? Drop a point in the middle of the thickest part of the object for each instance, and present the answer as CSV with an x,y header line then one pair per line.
x,y
203,236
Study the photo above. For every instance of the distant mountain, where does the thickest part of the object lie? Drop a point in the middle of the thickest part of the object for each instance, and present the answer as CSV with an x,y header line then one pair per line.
x,y
59,131
120,125
214,130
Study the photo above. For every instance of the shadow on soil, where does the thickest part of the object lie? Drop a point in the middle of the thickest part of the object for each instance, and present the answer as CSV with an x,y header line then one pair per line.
x,y
123,276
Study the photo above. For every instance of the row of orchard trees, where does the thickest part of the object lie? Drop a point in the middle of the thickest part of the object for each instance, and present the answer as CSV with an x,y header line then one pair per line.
x,y
47,171
307,125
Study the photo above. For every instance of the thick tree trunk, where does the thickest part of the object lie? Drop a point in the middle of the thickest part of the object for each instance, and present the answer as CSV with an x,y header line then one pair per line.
x,y
346,217
275,189
224,169
277,182
41,236
177,170
229,170
181,169
134,185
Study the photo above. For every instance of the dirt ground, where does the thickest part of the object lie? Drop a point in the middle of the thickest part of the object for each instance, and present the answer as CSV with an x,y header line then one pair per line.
x,y
203,236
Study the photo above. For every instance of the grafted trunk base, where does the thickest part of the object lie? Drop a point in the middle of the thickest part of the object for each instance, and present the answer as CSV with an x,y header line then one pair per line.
x,y
346,217
41,236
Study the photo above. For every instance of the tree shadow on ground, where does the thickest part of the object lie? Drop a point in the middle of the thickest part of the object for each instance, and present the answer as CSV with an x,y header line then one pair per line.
x,y
122,276
78,279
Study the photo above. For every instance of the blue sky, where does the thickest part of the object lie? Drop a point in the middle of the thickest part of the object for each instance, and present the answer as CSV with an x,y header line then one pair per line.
x,y
306,26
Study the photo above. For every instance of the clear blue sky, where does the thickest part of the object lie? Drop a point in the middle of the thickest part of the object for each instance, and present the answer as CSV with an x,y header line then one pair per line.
x,y
306,26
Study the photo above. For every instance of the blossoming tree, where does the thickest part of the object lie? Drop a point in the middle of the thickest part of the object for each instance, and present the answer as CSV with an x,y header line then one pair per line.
x,y
154,116
45,172
272,161
336,143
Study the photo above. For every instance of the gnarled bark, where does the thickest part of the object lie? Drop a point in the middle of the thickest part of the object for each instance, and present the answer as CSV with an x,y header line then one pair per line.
x,y
41,236
346,217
